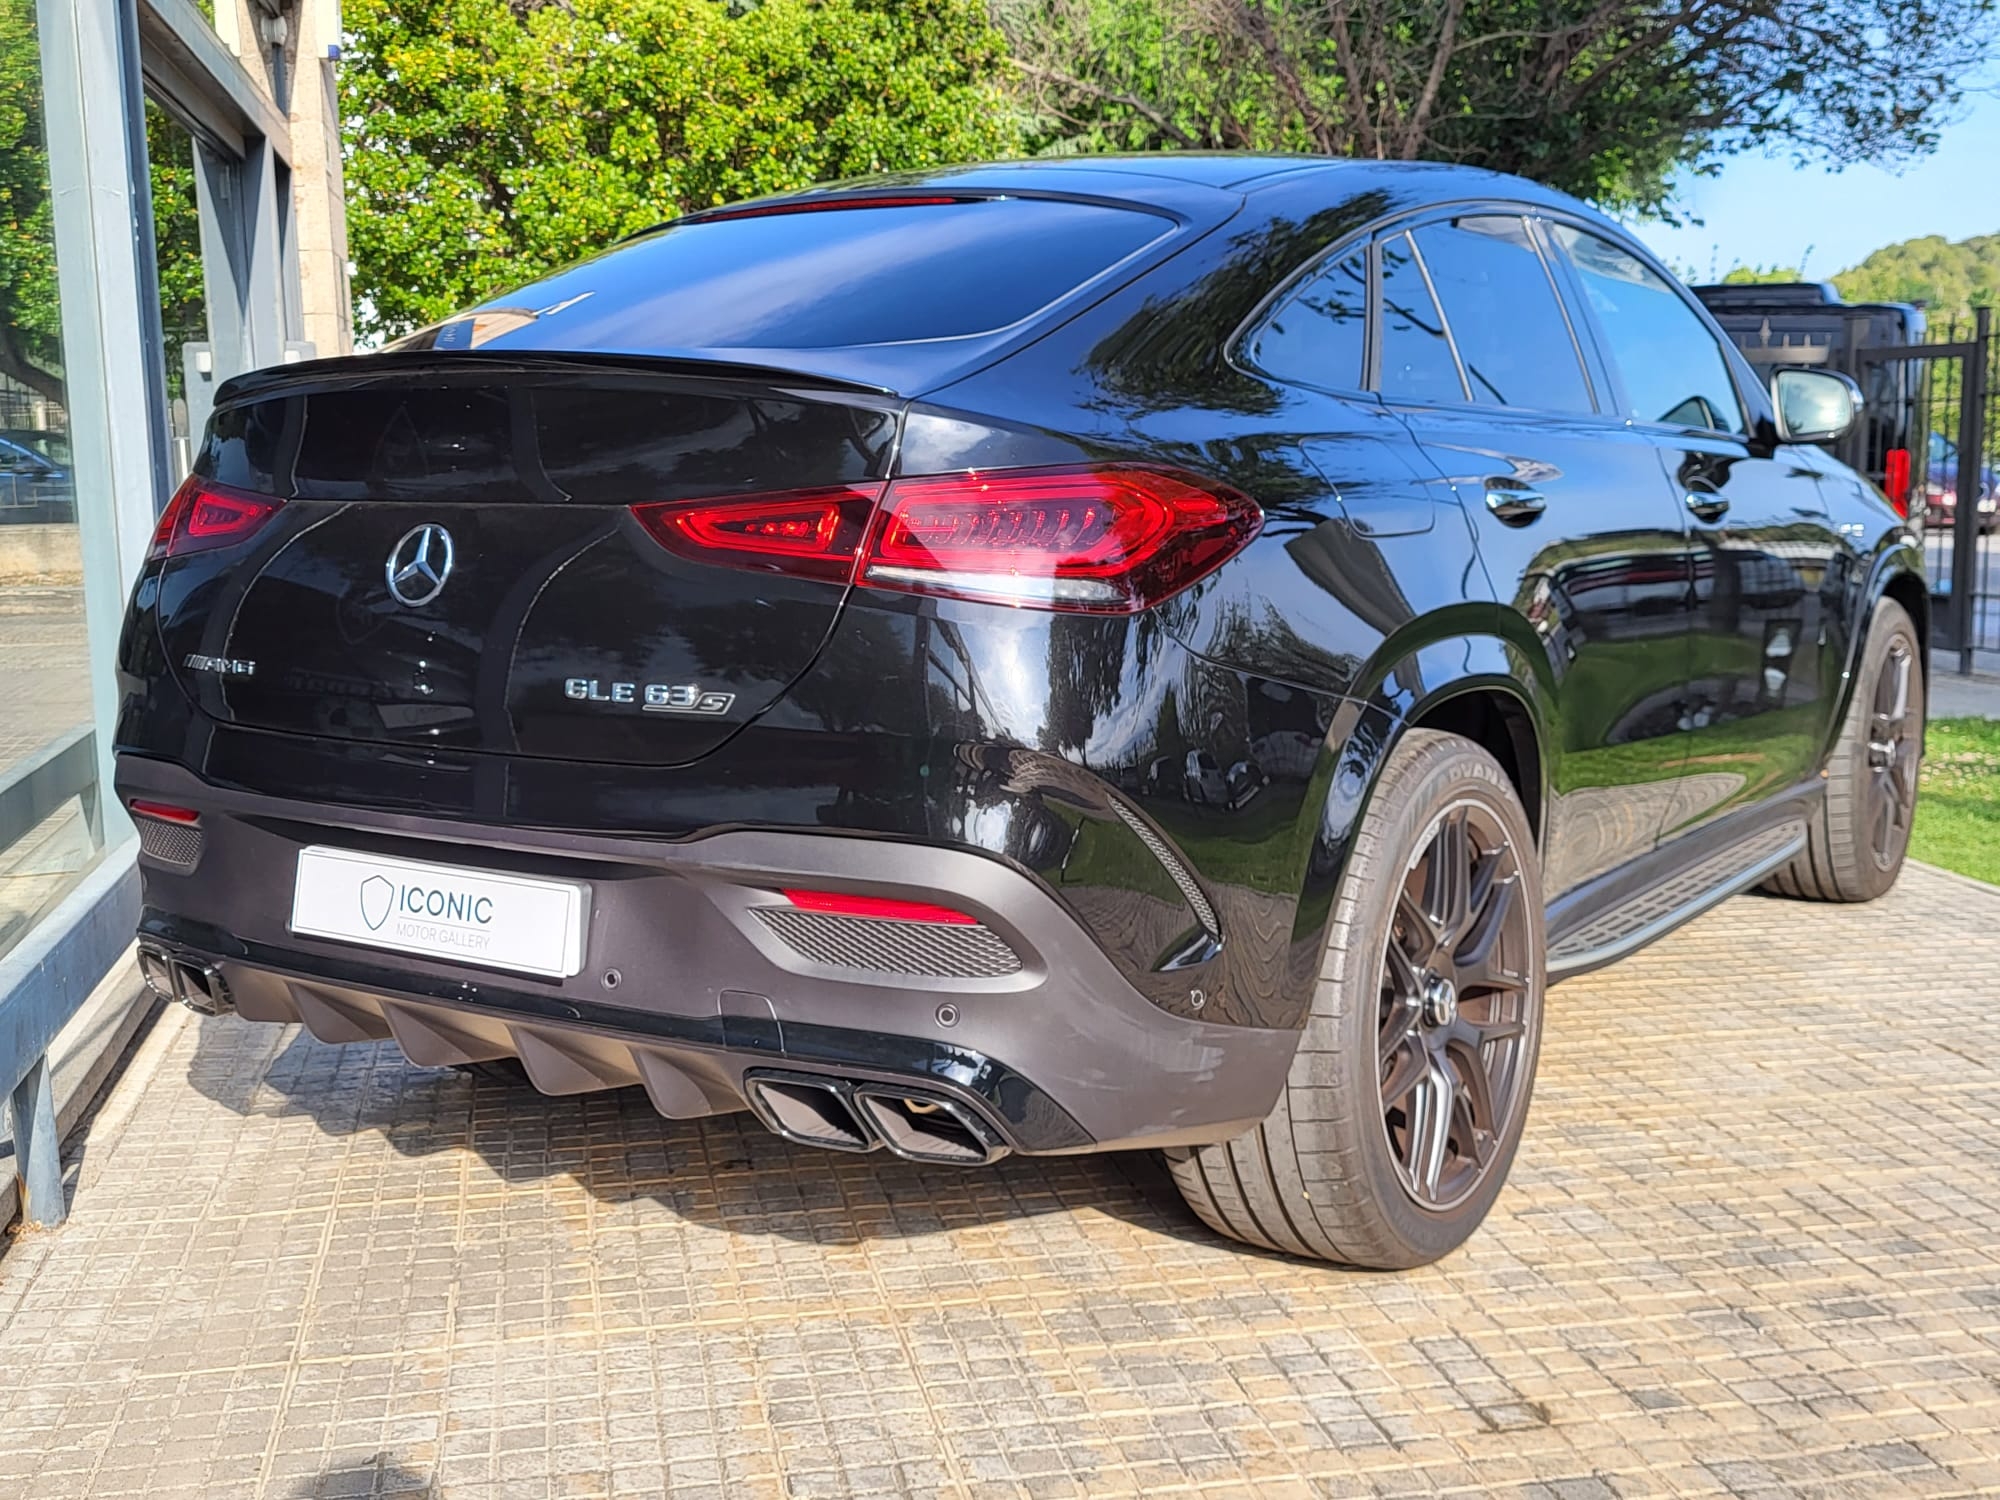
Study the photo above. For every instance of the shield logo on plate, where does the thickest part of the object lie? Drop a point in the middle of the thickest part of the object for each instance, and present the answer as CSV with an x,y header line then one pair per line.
x,y
375,896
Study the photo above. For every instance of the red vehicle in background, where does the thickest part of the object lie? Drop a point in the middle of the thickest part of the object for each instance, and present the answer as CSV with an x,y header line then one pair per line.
x,y
1941,488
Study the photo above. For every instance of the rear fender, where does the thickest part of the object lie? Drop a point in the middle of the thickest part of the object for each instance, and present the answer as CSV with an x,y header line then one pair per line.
x,y
1413,679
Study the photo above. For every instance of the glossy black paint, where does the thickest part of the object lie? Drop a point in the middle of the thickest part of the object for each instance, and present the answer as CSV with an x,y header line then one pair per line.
x,y
560,610
1186,780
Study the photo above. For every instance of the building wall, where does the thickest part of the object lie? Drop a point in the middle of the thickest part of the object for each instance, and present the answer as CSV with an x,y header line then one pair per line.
x,y
300,75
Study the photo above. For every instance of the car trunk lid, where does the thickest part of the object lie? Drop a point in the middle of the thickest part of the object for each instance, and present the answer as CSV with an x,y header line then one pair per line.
x,y
455,562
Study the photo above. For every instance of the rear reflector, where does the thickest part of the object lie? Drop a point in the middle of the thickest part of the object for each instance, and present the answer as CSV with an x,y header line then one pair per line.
x,y
1896,479
839,904
204,515
1113,538
167,812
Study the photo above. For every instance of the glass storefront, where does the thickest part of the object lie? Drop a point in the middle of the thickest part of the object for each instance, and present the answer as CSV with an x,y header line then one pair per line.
x,y
177,252
111,348
50,830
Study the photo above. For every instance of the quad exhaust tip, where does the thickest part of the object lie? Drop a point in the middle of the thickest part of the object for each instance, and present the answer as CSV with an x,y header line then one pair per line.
x,y
860,1117
197,985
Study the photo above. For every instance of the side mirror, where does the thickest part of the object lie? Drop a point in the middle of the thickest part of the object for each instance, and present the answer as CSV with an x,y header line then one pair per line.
x,y
1815,406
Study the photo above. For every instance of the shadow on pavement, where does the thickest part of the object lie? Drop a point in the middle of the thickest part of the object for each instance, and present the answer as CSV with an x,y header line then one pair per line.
x,y
379,1475
725,1171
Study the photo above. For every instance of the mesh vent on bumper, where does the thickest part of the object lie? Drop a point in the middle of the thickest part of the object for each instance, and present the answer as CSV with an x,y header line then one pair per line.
x,y
885,946
177,844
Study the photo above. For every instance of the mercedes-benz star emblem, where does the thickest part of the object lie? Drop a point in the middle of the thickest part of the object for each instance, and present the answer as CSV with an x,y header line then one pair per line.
x,y
419,564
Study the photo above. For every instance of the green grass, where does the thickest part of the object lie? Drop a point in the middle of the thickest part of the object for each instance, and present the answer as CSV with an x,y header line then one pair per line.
x,y
1958,804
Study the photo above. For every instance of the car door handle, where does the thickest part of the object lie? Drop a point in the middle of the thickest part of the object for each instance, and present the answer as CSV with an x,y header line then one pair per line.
x,y
1515,507
1706,505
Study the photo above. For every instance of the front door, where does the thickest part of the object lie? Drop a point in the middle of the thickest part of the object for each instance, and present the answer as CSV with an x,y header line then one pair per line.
x,y
1768,568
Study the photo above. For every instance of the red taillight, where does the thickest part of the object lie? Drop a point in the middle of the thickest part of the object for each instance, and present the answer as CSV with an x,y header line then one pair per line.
x,y
1896,479
838,904
808,533
204,515
166,812
1113,538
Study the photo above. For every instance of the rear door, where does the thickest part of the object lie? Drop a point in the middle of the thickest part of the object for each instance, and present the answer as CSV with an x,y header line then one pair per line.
x,y
1771,572
1575,524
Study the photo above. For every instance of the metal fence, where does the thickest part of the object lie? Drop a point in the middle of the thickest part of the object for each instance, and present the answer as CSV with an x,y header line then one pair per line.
x,y
1954,479
1962,488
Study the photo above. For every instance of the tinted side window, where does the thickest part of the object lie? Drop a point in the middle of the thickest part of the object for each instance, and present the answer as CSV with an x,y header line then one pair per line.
x,y
1417,363
1672,367
1504,316
1317,336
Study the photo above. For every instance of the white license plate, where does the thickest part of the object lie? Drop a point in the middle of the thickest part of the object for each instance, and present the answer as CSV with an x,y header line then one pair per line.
x,y
441,911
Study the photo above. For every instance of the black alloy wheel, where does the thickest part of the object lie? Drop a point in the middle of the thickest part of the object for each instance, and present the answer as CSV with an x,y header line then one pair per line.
x,y
1895,745
1410,1089
1456,1008
1859,833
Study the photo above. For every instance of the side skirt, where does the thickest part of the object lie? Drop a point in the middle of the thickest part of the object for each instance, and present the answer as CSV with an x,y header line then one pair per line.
x,y
1629,908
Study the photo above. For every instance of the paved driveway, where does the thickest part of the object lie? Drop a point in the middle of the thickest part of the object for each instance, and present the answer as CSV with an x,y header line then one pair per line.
x,y
1752,1247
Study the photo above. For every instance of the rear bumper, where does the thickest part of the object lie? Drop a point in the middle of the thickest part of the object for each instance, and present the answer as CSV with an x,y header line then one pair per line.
x,y
686,989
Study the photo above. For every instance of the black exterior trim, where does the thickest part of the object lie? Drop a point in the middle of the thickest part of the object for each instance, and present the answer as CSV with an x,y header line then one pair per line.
x,y
1033,1121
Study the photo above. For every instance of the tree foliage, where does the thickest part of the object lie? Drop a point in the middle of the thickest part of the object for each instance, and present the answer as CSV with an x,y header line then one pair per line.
x,y
490,141
30,310
1604,98
30,323
1949,278
1759,275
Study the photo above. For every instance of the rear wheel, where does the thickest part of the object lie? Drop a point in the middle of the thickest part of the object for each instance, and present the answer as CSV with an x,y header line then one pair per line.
x,y
1856,841
1407,1096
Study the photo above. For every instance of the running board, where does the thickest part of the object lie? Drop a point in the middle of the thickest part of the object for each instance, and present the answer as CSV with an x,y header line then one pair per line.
x,y
1658,910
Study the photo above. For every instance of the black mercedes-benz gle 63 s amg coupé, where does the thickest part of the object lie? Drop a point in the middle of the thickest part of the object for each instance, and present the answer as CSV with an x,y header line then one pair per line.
x,y
1060,656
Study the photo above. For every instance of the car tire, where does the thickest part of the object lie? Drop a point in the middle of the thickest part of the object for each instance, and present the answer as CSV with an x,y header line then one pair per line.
x,y
1857,839
1339,1171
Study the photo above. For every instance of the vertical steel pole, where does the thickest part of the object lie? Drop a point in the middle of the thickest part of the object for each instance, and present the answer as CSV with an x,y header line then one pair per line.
x,y
1971,462
37,1151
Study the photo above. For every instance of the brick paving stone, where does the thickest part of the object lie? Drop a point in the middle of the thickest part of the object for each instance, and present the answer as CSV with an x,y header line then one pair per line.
x,y
1752,1247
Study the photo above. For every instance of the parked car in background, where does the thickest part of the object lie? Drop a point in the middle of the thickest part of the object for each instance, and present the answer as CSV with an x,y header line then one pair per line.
x,y
1807,325
1046,657
1941,488
35,479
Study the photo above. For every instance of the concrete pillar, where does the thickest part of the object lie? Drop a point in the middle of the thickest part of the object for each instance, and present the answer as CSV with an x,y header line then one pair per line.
x,y
299,72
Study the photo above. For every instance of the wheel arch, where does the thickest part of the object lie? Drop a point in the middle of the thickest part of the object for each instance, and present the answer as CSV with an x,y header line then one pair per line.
x,y
1477,686
1897,573
1482,673
1500,719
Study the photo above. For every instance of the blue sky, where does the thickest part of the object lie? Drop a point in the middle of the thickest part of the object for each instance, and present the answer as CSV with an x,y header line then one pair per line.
x,y
1764,211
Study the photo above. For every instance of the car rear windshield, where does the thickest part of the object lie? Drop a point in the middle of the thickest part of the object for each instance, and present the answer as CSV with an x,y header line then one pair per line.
x,y
822,279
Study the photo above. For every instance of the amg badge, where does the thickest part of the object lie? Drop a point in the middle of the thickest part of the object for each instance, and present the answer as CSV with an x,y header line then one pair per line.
x,y
653,697
222,666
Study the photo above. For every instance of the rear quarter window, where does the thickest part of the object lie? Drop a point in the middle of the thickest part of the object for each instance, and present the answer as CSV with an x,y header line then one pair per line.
x,y
819,279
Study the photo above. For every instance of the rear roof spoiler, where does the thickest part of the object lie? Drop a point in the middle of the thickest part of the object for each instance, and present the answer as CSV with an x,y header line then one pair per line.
x,y
352,370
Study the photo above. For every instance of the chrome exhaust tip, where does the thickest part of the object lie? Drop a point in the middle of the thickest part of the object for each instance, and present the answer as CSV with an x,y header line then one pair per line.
x,y
157,970
812,1111
928,1127
200,988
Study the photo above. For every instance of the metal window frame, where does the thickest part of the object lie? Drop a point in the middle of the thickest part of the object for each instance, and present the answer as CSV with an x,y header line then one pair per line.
x,y
100,60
